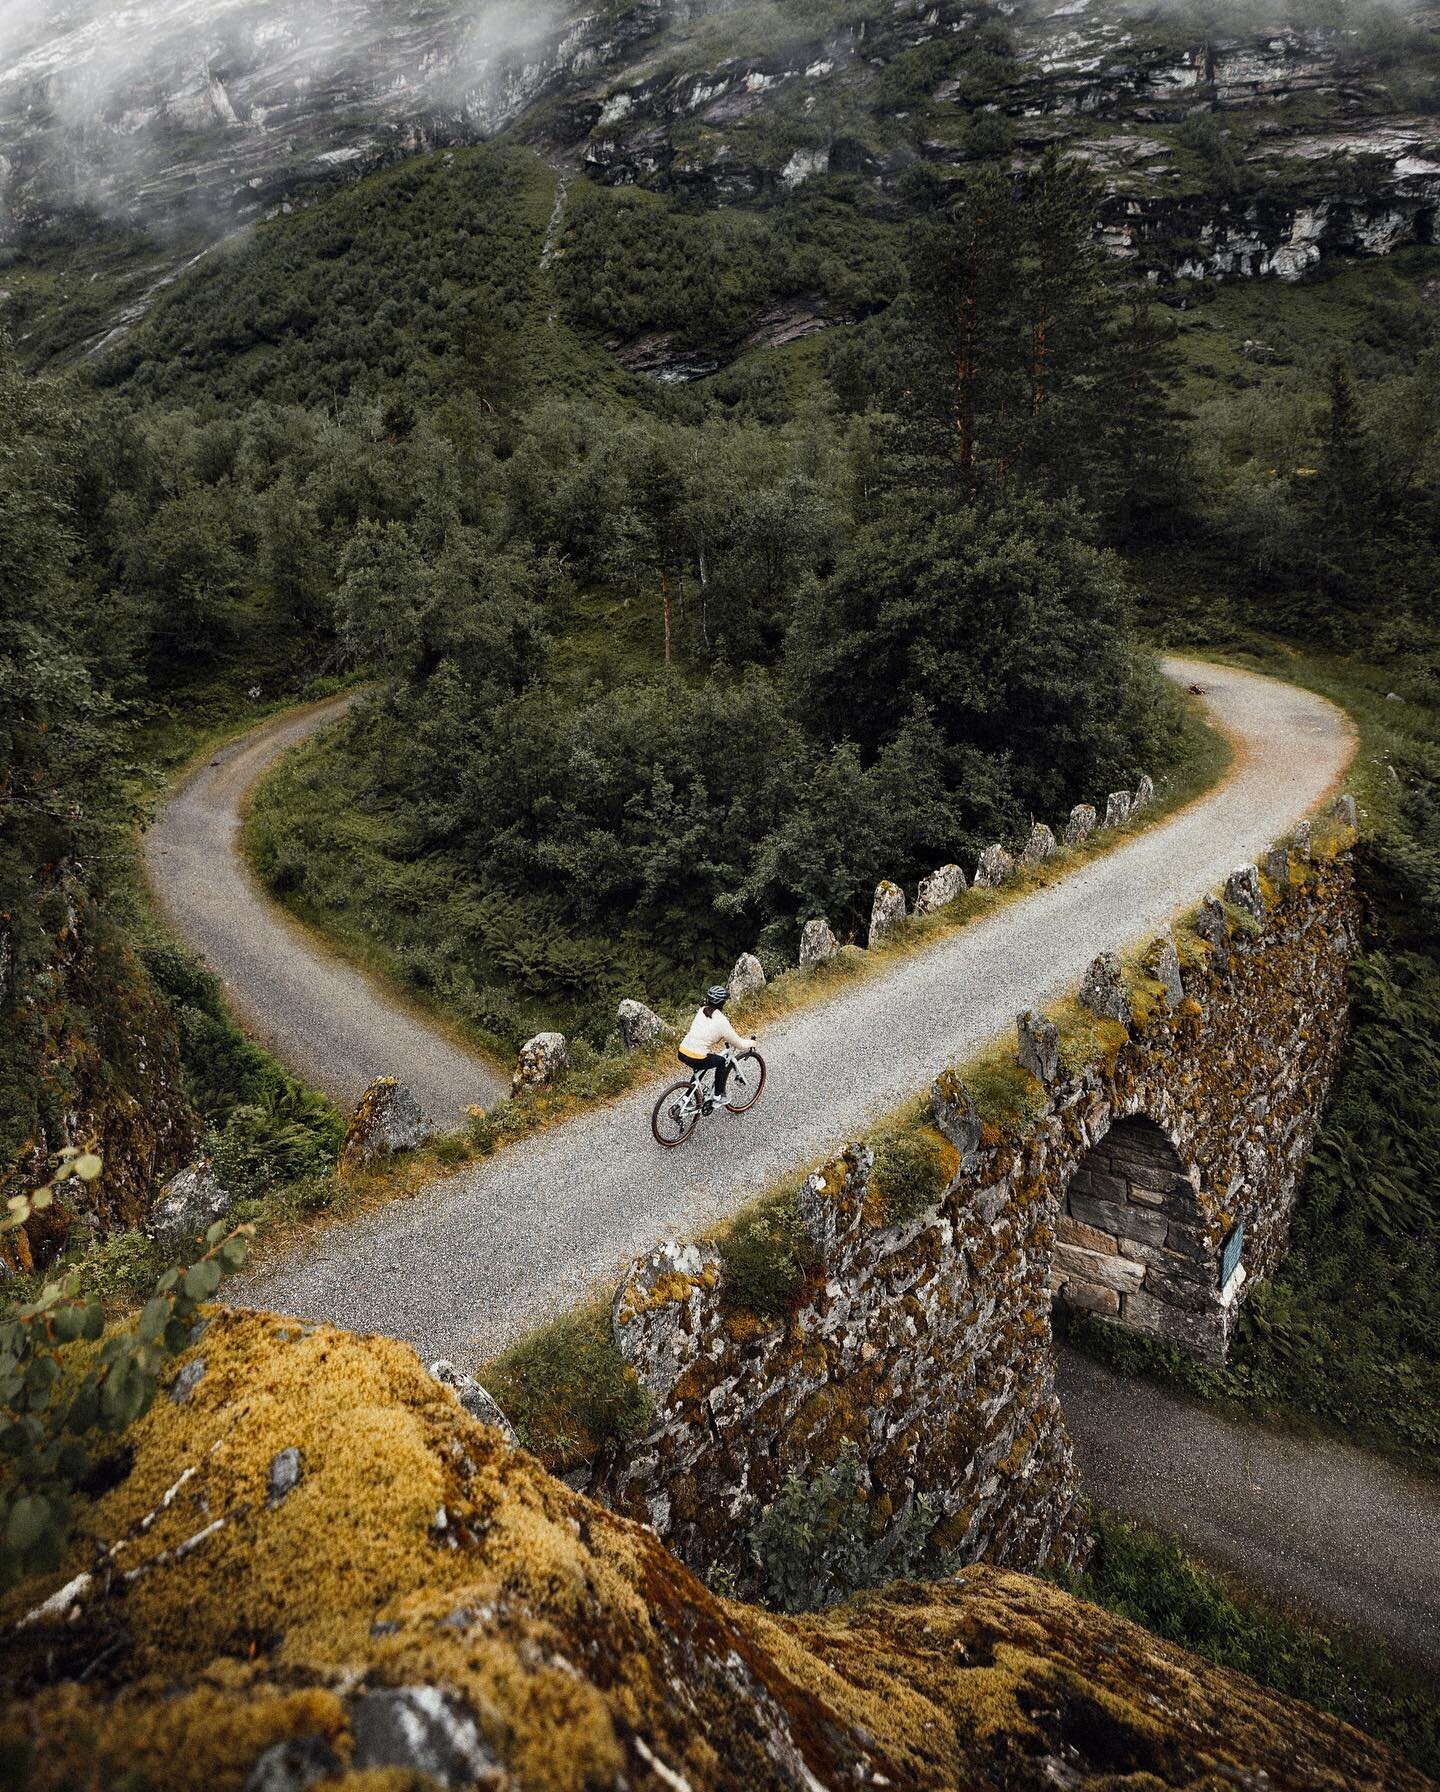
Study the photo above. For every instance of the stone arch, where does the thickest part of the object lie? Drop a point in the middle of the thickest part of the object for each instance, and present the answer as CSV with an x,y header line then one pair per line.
x,y
1133,1245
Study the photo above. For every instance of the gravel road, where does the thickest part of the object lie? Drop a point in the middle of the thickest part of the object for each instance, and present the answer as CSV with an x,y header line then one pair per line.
x,y
477,1258
330,1024
1317,1523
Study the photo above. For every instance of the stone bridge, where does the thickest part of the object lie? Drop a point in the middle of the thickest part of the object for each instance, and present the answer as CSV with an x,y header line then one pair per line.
x,y
1138,1155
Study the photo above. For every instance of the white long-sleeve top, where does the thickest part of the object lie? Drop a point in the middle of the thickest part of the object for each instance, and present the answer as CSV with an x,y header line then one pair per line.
x,y
708,1032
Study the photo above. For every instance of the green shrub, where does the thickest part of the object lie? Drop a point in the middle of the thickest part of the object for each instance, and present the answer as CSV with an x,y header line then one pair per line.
x,y
909,1174
568,1391
767,1256
815,1546
1148,1579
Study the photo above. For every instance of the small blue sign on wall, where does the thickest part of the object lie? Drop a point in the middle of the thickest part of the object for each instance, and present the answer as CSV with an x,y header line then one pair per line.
x,y
1230,1252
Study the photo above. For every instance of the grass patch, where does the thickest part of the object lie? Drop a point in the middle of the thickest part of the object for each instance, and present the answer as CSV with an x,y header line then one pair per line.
x,y
912,1170
766,1255
568,1391
1147,1578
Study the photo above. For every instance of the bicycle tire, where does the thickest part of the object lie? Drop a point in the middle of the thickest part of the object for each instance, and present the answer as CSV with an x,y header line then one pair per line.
x,y
743,1107
669,1095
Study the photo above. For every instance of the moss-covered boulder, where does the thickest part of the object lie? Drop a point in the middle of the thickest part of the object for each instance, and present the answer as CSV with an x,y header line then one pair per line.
x,y
428,1602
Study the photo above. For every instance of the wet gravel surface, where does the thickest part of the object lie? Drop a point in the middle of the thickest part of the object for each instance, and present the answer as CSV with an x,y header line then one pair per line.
x,y
475,1259
328,1023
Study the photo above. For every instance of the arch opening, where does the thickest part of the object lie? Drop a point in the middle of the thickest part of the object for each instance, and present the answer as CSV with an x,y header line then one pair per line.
x,y
1133,1245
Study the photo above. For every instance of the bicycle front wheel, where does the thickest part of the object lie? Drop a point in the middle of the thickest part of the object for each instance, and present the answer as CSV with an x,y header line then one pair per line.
x,y
747,1080
676,1116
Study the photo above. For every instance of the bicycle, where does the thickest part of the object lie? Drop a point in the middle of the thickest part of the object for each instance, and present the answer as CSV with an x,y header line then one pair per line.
x,y
678,1111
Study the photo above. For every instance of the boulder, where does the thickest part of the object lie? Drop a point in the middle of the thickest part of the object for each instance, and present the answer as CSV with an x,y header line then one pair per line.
x,y
939,889
1163,963
817,943
1301,840
747,977
1242,891
1277,866
541,1060
1038,1046
1081,824
1103,990
1039,847
887,911
638,1024
1144,792
388,1119
994,868
1117,808
1211,924
188,1205
477,1401
426,1731
1346,813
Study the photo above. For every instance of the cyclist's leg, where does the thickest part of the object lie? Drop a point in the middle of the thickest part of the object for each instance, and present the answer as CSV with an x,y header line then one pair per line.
x,y
721,1066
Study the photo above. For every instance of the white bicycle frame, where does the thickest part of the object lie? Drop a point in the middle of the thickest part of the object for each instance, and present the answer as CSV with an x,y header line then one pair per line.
x,y
691,1098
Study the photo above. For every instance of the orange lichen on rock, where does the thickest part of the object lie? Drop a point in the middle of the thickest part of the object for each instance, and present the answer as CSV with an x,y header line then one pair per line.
x,y
557,1644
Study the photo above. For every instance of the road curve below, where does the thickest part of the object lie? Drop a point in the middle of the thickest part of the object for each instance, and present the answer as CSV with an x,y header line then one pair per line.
x,y
328,1023
481,1256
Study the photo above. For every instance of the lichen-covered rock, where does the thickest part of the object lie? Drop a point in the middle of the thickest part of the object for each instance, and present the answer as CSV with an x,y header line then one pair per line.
x,y
1212,926
1103,991
388,1119
1144,793
1277,865
887,911
953,1110
831,1201
1037,1046
994,869
477,1401
427,1731
284,1474
188,1205
939,889
817,943
1345,812
293,1766
1242,890
1301,840
560,1644
654,1312
746,978
1117,808
1163,963
1039,846
638,1024
541,1060
1081,824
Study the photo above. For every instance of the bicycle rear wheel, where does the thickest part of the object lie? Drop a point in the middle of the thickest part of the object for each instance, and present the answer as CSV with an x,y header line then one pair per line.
x,y
674,1118
747,1080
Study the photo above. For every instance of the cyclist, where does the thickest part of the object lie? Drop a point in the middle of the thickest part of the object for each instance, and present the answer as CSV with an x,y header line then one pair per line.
x,y
708,1030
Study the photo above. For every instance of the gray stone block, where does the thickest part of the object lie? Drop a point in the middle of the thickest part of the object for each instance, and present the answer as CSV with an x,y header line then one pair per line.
x,y
1037,1046
887,911
1124,1222
1121,1273
1103,990
1093,1299
1081,824
939,889
1117,808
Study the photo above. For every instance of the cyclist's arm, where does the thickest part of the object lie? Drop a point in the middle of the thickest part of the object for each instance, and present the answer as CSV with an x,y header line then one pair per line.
x,y
733,1038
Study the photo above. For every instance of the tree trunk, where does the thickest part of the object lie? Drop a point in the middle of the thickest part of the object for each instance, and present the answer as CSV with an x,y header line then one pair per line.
x,y
665,606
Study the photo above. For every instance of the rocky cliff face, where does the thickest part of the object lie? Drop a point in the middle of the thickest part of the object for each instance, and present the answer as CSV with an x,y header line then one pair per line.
x,y
213,112
464,1620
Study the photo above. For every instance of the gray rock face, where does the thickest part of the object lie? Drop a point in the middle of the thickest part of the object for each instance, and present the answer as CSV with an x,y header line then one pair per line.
x,y
477,1401
1144,792
994,869
388,1119
1039,847
1346,813
747,977
939,889
425,1730
1163,962
817,943
284,1476
954,1112
188,1205
1301,841
186,1382
293,1766
638,1024
1081,824
1037,1046
656,1334
1277,866
542,1058
1117,808
1242,889
1103,990
1211,924
887,911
